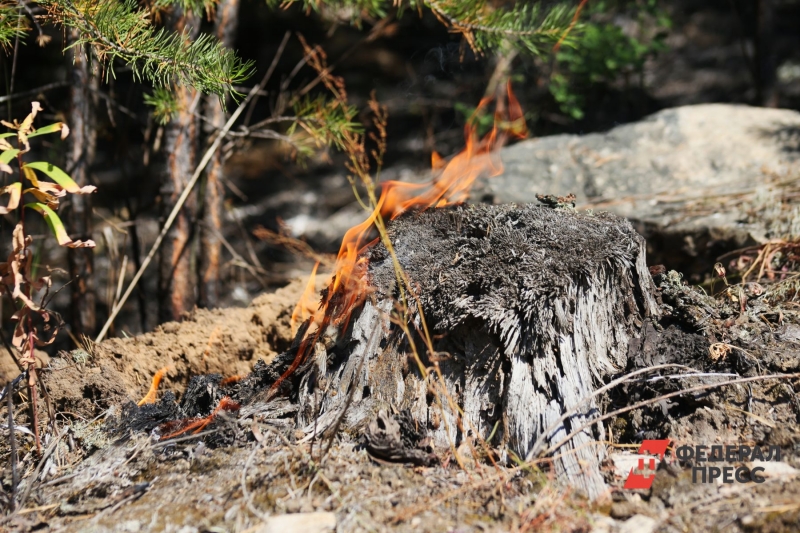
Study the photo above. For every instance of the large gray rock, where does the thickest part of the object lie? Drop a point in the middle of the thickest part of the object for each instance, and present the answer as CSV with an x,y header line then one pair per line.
x,y
689,178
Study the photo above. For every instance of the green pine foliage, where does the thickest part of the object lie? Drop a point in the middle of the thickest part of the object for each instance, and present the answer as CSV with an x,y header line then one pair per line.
x,y
527,25
121,31
355,10
188,6
326,122
13,23
163,102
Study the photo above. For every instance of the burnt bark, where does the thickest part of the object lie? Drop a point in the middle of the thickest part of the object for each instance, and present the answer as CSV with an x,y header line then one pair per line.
x,y
384,441
210,252
80,153
177,281
530,308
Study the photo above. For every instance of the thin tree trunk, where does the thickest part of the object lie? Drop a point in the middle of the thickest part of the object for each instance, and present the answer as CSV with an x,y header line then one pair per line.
x,y
210,252
176,274
80,154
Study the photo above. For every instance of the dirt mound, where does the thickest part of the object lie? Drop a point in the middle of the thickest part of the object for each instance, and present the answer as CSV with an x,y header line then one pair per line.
x,y
227,342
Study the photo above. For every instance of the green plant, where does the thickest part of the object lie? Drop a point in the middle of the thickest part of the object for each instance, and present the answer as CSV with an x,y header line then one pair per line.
x,y
484,24
20,282
13,23
483,121
122,31
604,53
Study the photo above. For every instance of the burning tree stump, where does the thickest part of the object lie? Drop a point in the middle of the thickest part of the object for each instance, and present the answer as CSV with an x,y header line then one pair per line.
x,y
530,308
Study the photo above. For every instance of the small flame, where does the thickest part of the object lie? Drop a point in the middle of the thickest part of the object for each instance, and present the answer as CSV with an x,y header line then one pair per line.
x,y
437,162
176,428
349,285
308,304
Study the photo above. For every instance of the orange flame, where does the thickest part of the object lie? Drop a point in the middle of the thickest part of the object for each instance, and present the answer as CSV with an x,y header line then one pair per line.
x,y
348,287
196,425
308,304
150,397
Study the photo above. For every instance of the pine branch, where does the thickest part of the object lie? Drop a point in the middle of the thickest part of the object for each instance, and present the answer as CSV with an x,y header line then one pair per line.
x,y
527,26
164,104
355,10
13,23
187,6
323,122
121,31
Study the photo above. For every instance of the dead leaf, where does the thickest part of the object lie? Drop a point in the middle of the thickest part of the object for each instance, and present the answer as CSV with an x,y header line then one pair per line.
x,y
14,195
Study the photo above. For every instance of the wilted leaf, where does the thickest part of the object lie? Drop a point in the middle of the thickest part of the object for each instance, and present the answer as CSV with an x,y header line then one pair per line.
x,y
44,281
14,194
4,144
48,199
57,227
20,266
27,126
19,332
18,238
44,186
60,177
52,128
40,342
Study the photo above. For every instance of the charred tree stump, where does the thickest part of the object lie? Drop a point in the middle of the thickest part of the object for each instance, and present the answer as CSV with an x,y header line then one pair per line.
x,y
530,308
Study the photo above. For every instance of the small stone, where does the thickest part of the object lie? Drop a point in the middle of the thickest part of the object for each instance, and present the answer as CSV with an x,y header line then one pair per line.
x,y
131,526
638,524
293,506
622,510
603,524
298,523
775,469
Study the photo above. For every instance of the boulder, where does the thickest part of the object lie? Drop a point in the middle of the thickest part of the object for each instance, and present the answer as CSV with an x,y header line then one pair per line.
x,y
688,178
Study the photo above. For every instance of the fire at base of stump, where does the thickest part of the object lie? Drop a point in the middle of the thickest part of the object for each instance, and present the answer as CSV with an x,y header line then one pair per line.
x,y
530,309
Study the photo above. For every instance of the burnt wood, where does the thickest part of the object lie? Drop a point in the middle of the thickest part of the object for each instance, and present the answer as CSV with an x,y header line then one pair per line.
x,y
531,309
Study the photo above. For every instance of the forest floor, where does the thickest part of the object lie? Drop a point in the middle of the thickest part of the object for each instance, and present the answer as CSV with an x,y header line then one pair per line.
x,y
253,471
